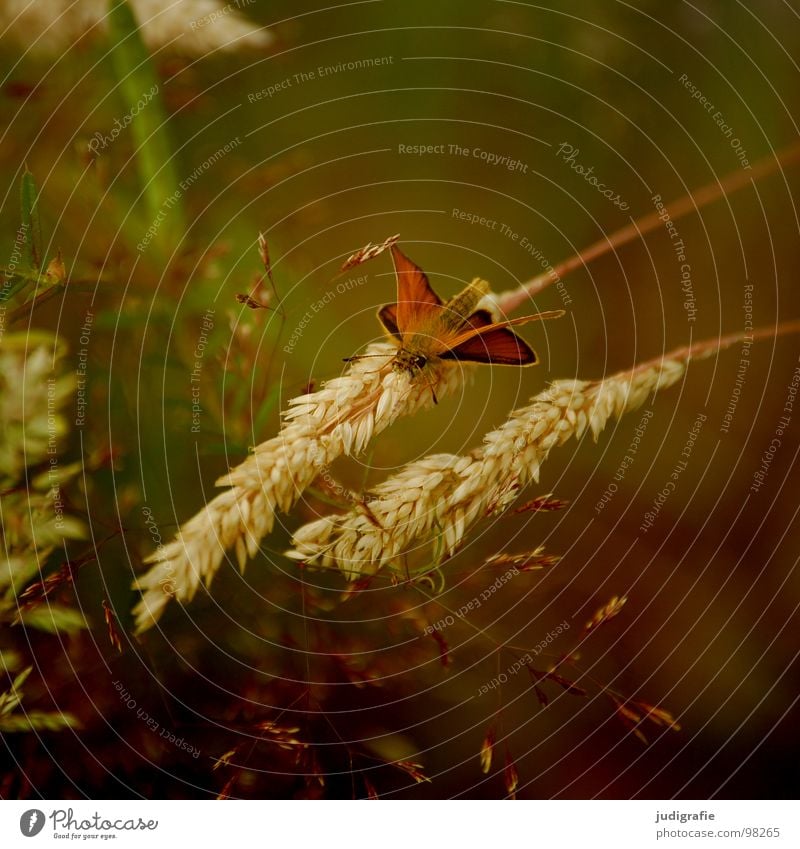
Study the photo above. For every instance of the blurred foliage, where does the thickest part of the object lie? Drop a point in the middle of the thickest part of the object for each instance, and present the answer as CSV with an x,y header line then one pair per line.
x,y
33,392
139,90
259,689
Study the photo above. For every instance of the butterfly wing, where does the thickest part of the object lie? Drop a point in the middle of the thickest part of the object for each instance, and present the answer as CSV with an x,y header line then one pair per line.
x,y
500,347
490,342
480,318
416,300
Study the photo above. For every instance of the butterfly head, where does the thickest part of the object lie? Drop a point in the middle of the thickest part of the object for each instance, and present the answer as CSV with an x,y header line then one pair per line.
x,y
408,361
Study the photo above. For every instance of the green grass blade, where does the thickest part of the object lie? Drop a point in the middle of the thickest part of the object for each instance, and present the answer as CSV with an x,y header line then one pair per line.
x,y
28,241
29,208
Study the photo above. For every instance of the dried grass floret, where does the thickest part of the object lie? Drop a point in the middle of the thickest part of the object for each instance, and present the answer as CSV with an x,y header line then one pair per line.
x,y
439,498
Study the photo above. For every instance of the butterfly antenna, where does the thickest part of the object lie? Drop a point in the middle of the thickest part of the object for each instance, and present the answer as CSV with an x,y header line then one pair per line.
x,y
430,386
360,357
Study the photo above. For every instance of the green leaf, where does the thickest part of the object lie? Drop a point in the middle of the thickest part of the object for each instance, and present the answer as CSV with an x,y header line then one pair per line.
x,y
13,696
37,720
29,207
60,475
140,90
16,570
22,678
27,244
10,660
32,720
14,284
70,527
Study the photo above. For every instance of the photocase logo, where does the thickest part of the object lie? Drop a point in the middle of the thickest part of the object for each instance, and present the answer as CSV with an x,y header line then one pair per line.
x,y
65,824
31,822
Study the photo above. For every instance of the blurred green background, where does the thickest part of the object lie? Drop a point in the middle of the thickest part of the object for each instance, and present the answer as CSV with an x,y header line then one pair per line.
x,y
709,630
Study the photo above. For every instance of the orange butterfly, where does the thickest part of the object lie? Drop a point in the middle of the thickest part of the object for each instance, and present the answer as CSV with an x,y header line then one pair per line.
x,y
428,329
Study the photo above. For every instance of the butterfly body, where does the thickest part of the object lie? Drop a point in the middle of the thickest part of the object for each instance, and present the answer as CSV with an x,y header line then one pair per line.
x,y
417,348
427,329
461,306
